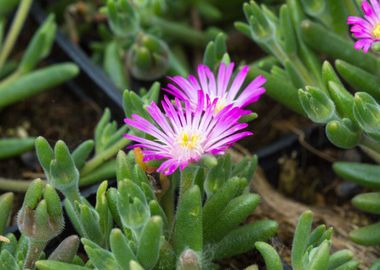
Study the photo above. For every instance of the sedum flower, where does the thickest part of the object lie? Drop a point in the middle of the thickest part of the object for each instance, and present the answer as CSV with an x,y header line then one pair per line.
x,y
222,87
183,134
367,29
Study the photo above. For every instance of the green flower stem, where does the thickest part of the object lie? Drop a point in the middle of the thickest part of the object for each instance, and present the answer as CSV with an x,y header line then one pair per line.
x,y
15,29
179,31
104,156
167,203
34,252
14,185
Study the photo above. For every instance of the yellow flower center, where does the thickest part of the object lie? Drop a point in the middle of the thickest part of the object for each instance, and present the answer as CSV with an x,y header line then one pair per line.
x,y
220,105
189,141
376,31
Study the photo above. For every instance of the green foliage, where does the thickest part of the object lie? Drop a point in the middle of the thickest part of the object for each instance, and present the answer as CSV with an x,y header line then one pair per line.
x,y
366,175
310,249
24,81
12,147
6,205
152,232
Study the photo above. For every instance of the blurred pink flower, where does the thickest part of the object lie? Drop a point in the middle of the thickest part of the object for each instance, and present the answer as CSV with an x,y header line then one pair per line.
x,y
367,29
222,87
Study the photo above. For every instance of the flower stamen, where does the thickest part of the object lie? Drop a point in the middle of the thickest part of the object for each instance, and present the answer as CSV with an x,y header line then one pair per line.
x,y
189,141
376,31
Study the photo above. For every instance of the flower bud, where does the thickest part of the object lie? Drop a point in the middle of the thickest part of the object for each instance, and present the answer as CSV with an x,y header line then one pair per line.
x,y
367,113
40,217
342,133
317,104
189,260
148,58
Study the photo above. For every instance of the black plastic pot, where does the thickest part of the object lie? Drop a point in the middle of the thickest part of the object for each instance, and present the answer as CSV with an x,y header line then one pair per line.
x,y
92,81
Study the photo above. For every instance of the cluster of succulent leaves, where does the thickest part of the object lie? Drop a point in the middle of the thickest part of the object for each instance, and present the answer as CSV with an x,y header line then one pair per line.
x,y
311,249
135,225
295,40
143,37
19,78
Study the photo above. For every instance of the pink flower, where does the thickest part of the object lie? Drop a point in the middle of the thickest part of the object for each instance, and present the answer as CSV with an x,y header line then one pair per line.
x,y
181,134
367,29
226,90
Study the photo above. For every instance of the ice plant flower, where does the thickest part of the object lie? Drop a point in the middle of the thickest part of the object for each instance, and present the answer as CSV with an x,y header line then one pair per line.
x,y
222,87
367,29
182,135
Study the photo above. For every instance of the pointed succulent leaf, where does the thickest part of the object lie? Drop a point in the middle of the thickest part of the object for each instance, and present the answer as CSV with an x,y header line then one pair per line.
x,y
82,152
40,45
89,219
244,238
13,147
359,78
66,250
45,154
317,104
316,235
342,98
101,207
339,258
343,133
366,175
320,260
102,259
301,238
148,249
53,265
6,205
112,196
368,235
7,261
235,213
368,202
64,174
121,249
329,74
367,113
188,226
271,258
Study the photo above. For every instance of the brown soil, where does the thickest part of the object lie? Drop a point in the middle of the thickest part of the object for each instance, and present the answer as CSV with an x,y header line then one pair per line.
x,y
56,114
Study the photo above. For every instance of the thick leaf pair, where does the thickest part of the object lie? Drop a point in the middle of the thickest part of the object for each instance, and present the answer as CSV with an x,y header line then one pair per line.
x,y
351,120
310,249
